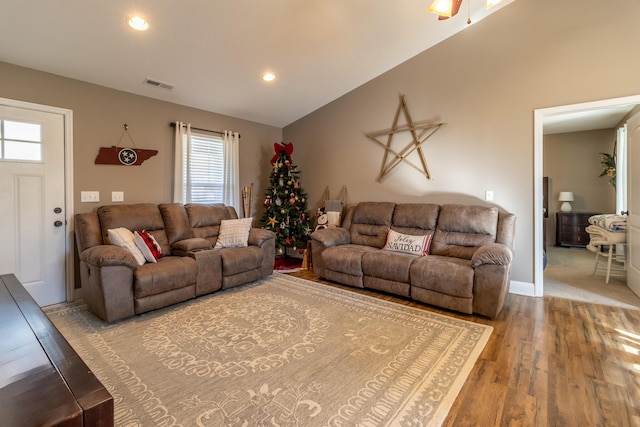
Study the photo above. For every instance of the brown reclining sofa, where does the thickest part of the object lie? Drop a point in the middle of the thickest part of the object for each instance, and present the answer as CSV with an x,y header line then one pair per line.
x,y
467,267
115,286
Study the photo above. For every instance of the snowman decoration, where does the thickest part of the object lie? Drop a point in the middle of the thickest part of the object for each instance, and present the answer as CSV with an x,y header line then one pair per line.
x,y
323,220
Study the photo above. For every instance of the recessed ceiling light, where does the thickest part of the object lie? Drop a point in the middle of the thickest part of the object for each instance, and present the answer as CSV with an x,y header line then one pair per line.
x,y
138,23
267,77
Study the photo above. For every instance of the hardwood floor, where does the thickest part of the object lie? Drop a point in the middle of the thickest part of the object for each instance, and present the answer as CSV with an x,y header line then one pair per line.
x,y
549,362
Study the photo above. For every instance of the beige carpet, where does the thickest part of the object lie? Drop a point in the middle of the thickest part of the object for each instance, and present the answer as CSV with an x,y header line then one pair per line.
x,y
280,352
569,275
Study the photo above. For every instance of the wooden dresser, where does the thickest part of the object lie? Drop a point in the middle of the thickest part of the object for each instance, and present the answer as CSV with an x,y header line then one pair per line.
x,y
570,228
43,382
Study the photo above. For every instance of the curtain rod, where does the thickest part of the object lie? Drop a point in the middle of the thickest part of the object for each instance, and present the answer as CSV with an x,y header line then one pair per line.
x,y
173,125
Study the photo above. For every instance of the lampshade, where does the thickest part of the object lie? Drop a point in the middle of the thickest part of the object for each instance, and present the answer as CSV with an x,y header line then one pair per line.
x,y
491,3
566,196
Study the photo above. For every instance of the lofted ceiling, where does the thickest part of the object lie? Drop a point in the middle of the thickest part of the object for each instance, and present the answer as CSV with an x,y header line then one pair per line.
x,y
215,52
591,119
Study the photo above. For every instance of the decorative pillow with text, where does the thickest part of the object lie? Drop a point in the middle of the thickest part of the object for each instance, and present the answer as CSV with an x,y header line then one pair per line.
x,y
234,233
148,246
416,245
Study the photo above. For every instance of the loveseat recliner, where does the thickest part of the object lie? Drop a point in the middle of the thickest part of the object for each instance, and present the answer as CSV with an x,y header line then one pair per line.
x,y
114,286
468,264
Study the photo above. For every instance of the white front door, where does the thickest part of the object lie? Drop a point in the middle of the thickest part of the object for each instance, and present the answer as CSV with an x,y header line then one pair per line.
x,y
32,201
633,203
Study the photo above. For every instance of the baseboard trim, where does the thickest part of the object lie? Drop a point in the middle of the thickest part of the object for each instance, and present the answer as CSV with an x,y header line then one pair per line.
x,y
522,288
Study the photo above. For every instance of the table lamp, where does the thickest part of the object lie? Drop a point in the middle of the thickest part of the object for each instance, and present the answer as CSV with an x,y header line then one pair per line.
x,y
566,197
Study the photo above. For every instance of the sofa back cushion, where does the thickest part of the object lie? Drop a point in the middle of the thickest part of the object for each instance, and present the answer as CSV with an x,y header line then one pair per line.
x,y
415,219
205,219
87,229
143,216
176,222
370,223
461,229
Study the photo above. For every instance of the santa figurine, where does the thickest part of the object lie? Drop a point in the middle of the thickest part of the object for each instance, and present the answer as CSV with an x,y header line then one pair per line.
x,y
323,219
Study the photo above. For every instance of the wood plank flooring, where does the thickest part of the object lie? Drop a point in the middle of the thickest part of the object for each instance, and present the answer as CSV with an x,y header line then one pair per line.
x,y
549,362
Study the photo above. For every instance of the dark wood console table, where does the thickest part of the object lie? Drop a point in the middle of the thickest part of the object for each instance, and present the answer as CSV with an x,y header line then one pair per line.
x,y
43,382
570,228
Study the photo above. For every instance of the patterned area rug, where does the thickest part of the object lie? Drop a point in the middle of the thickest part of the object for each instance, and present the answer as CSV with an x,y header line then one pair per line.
x,y
282,351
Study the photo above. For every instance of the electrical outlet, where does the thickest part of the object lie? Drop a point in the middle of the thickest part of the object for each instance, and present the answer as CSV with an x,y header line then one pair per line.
x,y
117,196
90,196
488,195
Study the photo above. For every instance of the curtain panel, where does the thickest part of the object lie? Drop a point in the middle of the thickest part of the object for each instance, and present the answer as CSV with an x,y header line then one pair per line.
x,y
182,139
231,147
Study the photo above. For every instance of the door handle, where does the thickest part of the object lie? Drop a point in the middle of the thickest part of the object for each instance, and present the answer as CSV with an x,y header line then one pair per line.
x,y
624,212
58,223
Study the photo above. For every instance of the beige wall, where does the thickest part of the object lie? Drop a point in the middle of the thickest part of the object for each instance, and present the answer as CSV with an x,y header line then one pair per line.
x,y
98,117
572,163
485,83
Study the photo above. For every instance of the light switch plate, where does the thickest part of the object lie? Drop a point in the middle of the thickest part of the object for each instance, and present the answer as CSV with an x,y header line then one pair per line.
x,y
488,195
90,196
117,196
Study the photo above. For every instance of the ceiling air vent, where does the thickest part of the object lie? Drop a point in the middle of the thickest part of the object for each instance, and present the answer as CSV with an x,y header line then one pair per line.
x,y
157,83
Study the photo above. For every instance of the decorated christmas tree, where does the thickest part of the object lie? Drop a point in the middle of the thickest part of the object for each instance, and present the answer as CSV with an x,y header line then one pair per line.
x,y
286,203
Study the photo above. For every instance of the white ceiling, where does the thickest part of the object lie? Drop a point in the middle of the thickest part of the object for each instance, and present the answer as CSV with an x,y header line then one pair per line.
x,y
592,119
215,51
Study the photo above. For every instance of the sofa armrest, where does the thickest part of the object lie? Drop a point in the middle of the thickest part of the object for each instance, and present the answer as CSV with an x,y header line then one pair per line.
x,y
492,253
108,255
334,236
258,236
191,245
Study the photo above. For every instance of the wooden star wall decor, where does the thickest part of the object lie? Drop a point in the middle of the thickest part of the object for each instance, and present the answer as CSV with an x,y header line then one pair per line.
x,y
420,132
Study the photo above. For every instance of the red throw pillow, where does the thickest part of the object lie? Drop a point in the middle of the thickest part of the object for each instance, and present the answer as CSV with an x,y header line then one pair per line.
x,y
148,246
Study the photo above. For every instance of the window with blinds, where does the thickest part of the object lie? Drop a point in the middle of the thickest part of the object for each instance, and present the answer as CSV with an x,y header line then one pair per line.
x,y
203,169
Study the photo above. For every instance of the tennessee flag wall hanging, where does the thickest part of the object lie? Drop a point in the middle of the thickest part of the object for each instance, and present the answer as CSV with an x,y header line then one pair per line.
x,y
123,155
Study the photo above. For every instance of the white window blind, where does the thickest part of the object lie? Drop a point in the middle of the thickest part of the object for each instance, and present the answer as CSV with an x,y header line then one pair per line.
x,y
203,169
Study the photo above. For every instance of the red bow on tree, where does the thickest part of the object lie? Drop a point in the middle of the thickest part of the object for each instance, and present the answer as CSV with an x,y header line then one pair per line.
x,y
279,148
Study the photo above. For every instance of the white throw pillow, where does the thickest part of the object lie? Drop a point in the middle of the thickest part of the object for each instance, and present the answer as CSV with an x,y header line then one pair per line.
x,y
416,245
125,239
234,233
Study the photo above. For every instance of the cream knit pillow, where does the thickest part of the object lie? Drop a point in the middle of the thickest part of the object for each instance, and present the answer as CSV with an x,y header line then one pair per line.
x,y
234,233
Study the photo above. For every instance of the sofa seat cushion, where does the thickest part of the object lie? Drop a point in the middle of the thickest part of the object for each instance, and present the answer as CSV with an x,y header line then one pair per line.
x,y
388,265
239,260
445,275
346,258
169,273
